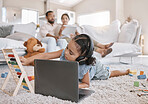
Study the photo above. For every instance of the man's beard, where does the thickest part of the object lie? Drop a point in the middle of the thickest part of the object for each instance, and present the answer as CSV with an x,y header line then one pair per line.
x,y
51,22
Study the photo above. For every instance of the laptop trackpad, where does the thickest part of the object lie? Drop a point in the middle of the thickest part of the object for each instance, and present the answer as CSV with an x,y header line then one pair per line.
x,y
84,93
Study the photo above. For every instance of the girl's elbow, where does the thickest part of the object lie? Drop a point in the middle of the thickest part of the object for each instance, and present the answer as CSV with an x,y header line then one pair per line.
x,y
87,85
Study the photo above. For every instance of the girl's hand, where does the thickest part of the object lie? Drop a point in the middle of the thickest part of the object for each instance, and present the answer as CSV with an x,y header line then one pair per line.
x,y
24,61
85,81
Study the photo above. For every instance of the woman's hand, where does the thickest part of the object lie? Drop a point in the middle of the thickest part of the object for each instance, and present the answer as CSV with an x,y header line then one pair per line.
x,y
62,28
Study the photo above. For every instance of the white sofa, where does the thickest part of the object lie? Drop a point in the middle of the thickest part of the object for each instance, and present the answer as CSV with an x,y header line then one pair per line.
x,y
107,34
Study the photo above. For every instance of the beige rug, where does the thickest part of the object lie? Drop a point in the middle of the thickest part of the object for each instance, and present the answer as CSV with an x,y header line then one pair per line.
x,y
112,91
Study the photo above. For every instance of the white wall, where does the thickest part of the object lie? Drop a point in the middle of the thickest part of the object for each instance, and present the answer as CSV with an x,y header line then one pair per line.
x,y
1,4
33,4
138,9
120,10
10,18
27,4
92,6
15,6
54,7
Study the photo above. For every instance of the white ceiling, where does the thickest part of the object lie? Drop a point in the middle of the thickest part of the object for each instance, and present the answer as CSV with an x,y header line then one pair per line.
x,y
68,3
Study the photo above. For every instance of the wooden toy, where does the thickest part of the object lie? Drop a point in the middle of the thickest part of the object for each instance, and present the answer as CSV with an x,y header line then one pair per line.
x,y
12,62
9,53
6,73
31,78
142,95
141,72
107,68
136,83
24,84
16,66
18,70
24,81
130,74
143,85
139,90
12,59
145,91
18,73
25,87
3,75
141,76
134,72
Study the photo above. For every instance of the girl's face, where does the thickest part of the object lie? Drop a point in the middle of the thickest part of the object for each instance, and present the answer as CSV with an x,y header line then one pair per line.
x,y
65,20
71,52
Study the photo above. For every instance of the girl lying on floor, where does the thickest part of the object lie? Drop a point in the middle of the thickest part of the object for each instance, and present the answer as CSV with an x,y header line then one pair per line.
x,y
80,49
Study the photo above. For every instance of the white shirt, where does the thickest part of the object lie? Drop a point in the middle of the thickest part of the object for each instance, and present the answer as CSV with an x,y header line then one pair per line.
x,y
48,28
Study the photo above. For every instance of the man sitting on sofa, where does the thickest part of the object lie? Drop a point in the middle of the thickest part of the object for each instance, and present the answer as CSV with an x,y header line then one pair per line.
x,y
47,31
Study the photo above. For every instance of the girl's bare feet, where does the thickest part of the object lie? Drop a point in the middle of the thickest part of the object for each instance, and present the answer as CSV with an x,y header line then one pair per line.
x,y
116,73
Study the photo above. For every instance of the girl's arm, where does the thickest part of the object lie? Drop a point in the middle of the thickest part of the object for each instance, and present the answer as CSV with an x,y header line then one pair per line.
x,y
50,55
85,81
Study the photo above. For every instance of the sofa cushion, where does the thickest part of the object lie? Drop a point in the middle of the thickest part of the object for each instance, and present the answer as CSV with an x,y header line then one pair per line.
x,y
105,34
122,49
128,32
5,31
19,36
29,28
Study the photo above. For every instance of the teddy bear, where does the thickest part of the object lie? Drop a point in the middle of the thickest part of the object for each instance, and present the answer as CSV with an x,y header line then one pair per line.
x,y
34,46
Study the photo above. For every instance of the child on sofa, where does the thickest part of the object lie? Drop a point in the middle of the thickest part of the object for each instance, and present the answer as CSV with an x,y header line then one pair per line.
x,y
80,49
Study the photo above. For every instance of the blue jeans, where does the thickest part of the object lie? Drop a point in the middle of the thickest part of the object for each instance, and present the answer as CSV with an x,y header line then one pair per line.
x,y
52,43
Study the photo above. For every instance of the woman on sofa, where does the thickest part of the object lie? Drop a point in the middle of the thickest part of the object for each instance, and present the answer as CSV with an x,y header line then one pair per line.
x,y
98,47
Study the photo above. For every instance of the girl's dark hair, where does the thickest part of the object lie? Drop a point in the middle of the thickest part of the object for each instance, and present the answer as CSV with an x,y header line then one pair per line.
x,y
85,44
65,14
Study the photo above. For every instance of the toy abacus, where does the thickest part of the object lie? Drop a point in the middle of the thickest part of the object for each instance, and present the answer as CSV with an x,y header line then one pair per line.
x,y
17,71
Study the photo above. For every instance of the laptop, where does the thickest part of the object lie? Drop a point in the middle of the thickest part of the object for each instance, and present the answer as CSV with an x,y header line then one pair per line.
x,y
58,79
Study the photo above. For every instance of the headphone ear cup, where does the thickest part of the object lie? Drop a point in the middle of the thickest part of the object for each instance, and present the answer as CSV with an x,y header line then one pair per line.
x,y
80,58
82,62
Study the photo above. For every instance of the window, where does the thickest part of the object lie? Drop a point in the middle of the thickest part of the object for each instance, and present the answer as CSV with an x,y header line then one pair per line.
x,y
4,14
29,16
70,13
95,19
